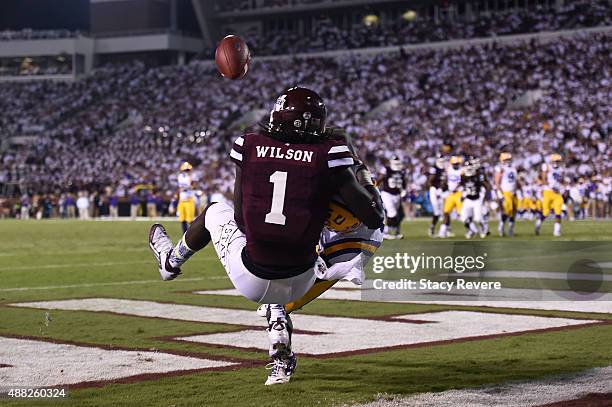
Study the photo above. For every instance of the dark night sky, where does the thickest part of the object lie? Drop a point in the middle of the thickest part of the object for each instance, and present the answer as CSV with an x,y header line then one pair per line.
x,y
44,14
68,14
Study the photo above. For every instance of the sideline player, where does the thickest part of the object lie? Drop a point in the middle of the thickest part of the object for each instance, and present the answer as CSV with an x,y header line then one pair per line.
x,y
186,207
506,186
285,178
453,200
393,189
474,187
436,182
551,178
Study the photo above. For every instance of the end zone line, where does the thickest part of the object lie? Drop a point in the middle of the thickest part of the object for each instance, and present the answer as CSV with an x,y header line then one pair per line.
x,y
134,282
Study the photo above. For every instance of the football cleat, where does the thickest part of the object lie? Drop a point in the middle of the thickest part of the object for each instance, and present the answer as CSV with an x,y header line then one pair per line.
x,y
262,310
281,370
162,246
469,234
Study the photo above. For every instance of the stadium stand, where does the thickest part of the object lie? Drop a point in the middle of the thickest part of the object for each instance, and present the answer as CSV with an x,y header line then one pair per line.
x,y
327,35
129,125
176,113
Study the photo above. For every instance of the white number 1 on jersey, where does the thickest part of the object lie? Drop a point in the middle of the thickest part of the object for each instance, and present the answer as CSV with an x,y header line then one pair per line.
x,y
279,179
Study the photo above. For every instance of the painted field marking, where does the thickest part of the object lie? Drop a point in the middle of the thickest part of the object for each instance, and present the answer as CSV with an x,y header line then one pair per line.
x,y
594,385
34,363
118,283
323,335
603,305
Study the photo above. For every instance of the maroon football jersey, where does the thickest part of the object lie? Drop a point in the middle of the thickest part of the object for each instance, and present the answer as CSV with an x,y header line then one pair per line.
x,y
286,190
393,181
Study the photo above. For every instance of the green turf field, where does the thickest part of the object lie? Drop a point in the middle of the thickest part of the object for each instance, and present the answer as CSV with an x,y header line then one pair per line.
x,y
59,260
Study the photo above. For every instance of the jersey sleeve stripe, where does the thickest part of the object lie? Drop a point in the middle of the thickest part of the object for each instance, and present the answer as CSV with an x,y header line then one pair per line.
x,y
239,141
236,155
336,156
340,162
338,149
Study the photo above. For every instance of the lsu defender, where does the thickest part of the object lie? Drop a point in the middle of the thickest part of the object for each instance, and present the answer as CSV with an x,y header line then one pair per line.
x,y
393,185
507,187
453,200
551,179
186,207
286,176
474,187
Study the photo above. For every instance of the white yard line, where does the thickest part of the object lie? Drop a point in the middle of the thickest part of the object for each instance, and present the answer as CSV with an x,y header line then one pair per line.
x,y
517,394
119,283
603,305
93,264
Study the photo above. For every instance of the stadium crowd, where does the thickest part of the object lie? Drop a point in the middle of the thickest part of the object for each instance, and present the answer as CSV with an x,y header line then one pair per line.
x,y
325,35
30,34
129,125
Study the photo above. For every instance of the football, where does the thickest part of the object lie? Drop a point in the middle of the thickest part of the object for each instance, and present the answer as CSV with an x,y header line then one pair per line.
x,y
232,57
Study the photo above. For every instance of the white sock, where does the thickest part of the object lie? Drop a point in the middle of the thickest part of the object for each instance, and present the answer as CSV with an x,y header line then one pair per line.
x,y
442,231
277,313
511,227
557,229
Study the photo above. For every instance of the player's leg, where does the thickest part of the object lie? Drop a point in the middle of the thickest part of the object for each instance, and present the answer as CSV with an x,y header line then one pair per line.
x,y
466,218
557,206
477,218
448,208
546,206
284,361
513,207
391,205
505,208
436,209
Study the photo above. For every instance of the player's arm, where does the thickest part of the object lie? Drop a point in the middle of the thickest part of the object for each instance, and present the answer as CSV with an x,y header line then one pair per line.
x,y
497,179
364,202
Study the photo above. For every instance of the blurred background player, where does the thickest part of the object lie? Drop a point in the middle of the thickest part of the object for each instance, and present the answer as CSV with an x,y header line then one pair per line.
x,y
186,207
576,199
393,188
453,200
506,186
551,178
437,184
474,188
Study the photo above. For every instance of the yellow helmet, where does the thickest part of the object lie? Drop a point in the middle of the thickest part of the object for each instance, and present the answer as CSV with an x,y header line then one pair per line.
x,y
556,157
456,159
341,219
505,157
186,166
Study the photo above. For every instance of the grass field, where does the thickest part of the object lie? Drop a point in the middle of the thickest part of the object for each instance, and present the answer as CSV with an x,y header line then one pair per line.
x,y
60,260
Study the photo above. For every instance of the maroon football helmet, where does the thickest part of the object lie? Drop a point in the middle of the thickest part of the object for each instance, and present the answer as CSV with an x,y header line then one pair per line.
x,y
299,115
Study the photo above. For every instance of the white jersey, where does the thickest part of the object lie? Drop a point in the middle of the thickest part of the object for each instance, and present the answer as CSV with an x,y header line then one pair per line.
x,y
453,178
184,182
509,177
554,177
577,192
